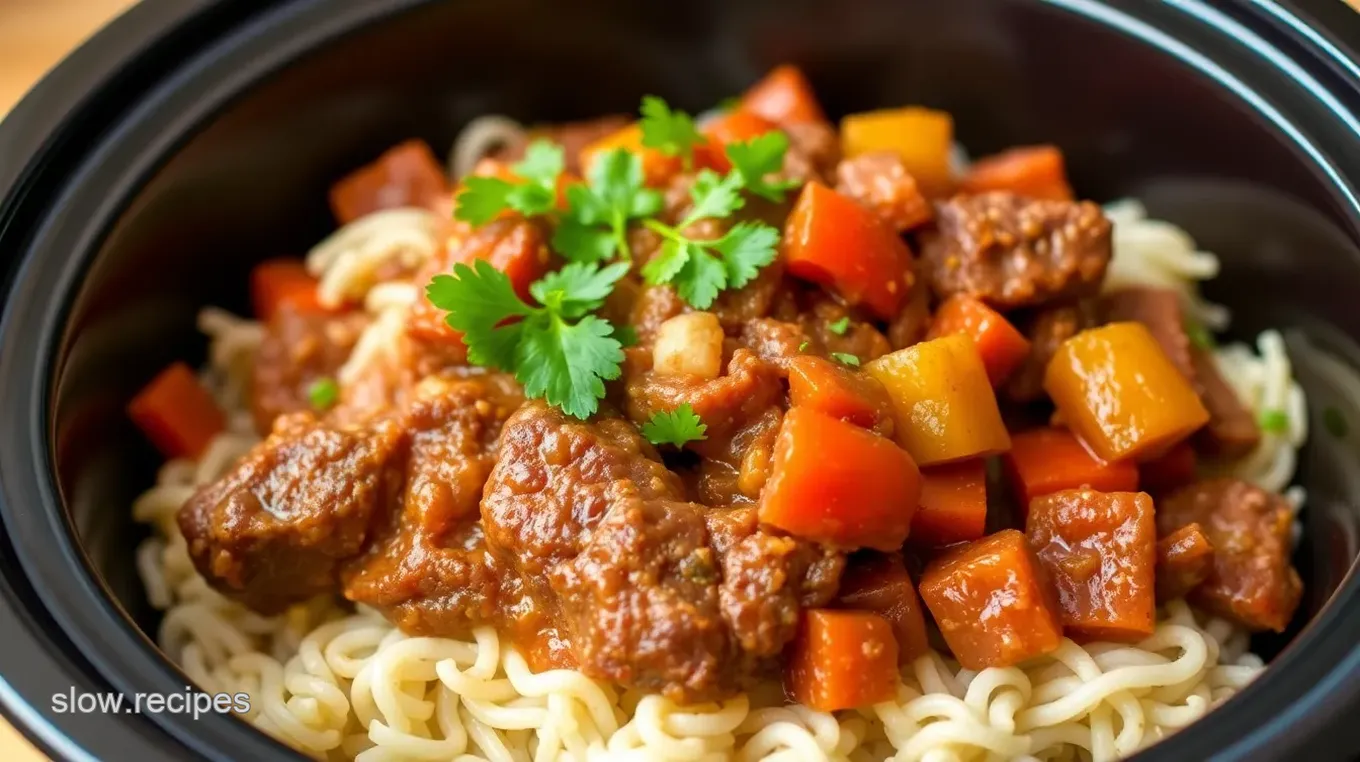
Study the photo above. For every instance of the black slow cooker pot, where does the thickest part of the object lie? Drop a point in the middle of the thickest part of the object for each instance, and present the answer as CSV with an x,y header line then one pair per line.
x,y
142,178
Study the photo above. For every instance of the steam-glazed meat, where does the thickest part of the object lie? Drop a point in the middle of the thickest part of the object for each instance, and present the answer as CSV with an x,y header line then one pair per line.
x,y
1232,431
276,528
427,569
1011,251
298,349
749,386
1252,580
1046,330
879,180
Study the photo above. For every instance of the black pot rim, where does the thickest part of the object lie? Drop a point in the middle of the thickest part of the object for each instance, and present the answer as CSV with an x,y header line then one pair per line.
x,y
132,94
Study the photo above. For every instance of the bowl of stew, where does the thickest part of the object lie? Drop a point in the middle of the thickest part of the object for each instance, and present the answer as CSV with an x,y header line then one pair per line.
x,y
800,381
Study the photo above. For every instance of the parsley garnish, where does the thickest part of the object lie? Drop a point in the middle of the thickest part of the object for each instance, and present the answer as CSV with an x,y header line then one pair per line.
x,y
839,327
323,393
677,427
804,346
758,157
1334,422
595,227
700,269
670,132
1274,421
485,197
557,350
1199,336
846,359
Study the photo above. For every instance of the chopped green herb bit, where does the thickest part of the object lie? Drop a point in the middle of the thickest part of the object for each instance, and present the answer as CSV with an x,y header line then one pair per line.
x,y
846,359
839,327
670,132
1274,421
323,393
677,427
1200,336
1335,422
804,346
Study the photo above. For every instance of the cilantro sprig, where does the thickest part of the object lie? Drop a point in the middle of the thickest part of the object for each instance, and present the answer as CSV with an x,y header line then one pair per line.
x,y
677,427
701,269
485,197
595,227
670,132
557,350
758,158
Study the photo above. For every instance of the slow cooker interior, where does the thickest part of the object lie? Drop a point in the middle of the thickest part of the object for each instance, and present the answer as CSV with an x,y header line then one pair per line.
x,y
252,184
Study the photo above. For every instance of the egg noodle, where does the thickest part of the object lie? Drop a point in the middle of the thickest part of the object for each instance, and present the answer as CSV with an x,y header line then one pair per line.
x,y
338,683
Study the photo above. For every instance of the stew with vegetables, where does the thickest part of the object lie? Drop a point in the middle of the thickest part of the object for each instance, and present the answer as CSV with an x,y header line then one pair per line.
x,y
690,403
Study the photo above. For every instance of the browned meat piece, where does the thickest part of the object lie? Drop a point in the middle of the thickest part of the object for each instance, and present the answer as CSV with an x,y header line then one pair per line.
x,y
275,530
1232,431
298,349
641,601
572,136
857,337
736,467
1184,559
726,404
880,182
775,340
766,578
912,323
1011,251
556,477
1252,580
1046,330
737,307
654,306
1159,310
814,151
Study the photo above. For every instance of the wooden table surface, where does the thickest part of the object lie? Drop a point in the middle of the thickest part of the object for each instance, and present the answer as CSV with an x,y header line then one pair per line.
x,y
34,35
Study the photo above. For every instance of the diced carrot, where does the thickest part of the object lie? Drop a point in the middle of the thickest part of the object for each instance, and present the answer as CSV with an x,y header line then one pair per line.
x,y
992,601
276,282
657,167
953,504
920,136
1002,347
1034,171
176,413
879,582
784,96
406,175
1121,394
840,393
1048,460
1099,549
842,660
1171,471
834,482
831,240
944,407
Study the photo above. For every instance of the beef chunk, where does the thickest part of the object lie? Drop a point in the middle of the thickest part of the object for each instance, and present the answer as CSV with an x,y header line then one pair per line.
x,y
1046,330
556,477
275,530
913,322
298,349
1184,559
1232,431
1010,251
1252,580
1159,310
641,601
814,150
880,182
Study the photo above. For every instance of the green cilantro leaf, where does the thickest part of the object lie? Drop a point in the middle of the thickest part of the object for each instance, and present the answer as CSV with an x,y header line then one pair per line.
x,y
626,335
746,248
713,196
482,198
757,158
839,327
1274,421
323,393
701,279
1335,422
671,132
677,427
804,346
563,362
846,359
1199,335
595,227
